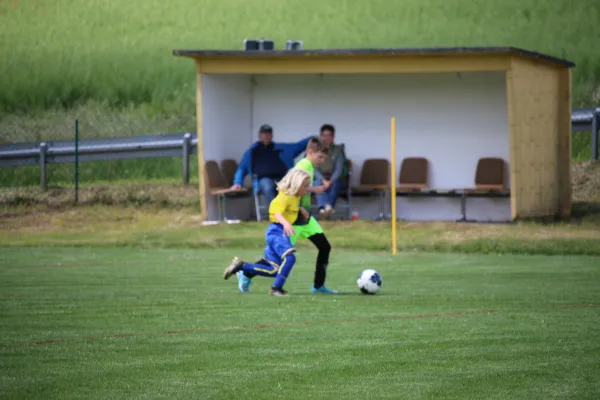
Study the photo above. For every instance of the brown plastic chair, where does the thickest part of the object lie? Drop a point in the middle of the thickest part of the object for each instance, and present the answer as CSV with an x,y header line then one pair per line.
x,y
374,180
374,176
414,173
490,176
228,168
217,185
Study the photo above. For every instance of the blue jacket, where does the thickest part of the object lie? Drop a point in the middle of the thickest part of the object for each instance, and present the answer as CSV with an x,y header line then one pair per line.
x,y
289,151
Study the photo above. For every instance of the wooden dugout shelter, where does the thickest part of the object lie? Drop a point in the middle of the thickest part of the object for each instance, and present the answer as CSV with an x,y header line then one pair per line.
x,y
533,102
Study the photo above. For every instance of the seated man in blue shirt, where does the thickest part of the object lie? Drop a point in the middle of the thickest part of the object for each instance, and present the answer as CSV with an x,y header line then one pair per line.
x,y
268,162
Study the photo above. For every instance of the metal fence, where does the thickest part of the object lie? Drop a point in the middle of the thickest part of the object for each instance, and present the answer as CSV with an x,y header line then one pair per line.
x,y
129,147
174,144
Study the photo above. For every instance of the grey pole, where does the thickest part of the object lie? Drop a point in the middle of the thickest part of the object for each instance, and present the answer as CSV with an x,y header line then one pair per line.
x,y
595,128
187,140
43,150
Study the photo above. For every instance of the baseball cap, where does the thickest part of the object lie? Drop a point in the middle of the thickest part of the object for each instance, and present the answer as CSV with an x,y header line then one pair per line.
x,y
265,128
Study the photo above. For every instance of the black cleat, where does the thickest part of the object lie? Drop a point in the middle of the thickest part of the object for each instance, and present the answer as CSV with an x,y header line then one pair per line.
x,y
236,265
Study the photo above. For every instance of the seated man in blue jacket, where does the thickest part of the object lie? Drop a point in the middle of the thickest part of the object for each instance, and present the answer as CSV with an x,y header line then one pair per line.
x,y
268,162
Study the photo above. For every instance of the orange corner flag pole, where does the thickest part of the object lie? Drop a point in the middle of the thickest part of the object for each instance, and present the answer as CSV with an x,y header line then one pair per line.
x,y
393,188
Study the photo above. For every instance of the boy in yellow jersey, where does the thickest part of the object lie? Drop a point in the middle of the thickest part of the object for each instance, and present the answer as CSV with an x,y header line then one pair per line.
x,y
279,258
306,226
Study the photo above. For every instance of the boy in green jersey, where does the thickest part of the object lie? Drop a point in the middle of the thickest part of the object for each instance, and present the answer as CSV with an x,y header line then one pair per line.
x,y
316,151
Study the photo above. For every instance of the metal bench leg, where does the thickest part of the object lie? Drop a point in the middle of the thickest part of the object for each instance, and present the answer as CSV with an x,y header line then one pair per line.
x,y
463,209
257,208
381,207
225,209
220,208
349,201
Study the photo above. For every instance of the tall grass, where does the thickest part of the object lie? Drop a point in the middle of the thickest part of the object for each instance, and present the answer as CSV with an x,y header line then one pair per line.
x,y
57,53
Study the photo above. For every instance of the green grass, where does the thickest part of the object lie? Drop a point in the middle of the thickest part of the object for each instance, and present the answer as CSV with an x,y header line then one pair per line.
x,y
65,51
109,63
127,323
581,146
98,172
144,226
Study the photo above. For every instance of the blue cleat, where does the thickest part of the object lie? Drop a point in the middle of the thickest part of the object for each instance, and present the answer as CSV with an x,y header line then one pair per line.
x,y
243,282
323,289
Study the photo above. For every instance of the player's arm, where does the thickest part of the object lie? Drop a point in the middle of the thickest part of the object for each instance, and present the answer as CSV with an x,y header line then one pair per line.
x,y
316,189
304,213
287,227
319,176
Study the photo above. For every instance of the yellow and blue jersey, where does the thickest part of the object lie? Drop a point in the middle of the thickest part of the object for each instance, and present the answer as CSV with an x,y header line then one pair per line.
x,y
286,205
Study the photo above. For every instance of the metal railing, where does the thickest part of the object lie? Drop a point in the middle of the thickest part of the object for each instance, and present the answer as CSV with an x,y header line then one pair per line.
x,y
174,145
129,147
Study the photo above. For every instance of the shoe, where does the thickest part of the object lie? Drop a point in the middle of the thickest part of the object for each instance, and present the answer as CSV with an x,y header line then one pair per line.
x,y
235,266
277,292
243,282
323,213
329,211
323,289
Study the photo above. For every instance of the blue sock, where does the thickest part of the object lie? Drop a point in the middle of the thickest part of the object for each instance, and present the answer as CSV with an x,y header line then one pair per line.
x,y
284,270
261,269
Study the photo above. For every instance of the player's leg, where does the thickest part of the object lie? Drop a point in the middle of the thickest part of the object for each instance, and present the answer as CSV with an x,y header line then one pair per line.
x,y
322,198
282,246
261,268
287,263
334,190
314,233
268,188
322,244
245,271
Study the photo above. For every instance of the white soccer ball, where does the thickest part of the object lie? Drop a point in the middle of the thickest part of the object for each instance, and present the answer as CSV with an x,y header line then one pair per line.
x,y
369,281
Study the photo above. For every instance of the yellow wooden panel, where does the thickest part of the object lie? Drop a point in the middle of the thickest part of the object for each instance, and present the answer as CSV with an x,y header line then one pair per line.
x,y
514,144
200,133
564,143
353,64
533,96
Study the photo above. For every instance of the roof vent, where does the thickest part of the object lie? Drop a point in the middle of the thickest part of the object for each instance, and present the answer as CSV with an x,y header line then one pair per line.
x,y
258,45
294,45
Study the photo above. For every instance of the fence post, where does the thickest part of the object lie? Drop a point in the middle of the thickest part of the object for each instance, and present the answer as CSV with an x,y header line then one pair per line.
x,y
187,141
595,128
43,150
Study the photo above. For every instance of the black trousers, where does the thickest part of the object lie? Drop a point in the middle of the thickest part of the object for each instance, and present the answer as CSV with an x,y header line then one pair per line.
x,y
322,244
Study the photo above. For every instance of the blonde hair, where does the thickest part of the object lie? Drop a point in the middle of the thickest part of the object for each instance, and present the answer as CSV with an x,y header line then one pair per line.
x,y
293,181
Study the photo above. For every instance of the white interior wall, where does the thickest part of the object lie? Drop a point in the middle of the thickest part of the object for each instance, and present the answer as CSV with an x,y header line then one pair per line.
x,y
453,119
227,123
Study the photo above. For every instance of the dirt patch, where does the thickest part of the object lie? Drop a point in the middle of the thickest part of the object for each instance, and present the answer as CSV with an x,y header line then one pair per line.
x,y
586,181
163,195
97,218
455,234
161,207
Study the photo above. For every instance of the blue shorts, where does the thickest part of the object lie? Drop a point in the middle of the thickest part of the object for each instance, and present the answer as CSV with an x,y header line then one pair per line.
x,y
278,244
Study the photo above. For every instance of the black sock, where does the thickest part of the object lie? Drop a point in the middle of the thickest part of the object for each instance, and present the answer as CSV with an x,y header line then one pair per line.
x,y
322,244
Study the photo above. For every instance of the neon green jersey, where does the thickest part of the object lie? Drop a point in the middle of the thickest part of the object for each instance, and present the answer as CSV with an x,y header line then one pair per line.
x,y
307,166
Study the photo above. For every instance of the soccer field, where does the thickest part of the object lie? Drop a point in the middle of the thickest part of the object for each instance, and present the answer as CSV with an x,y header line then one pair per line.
x,y
131,323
